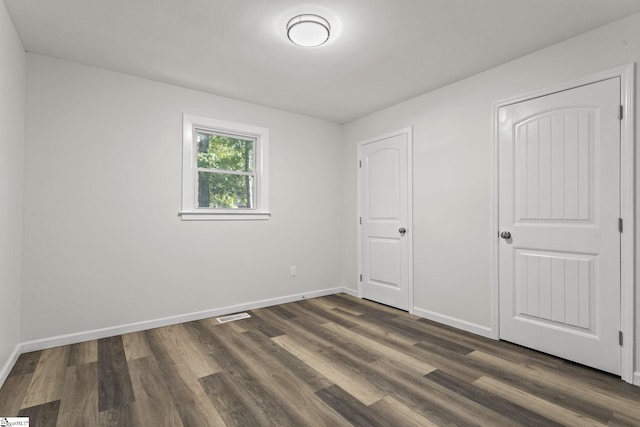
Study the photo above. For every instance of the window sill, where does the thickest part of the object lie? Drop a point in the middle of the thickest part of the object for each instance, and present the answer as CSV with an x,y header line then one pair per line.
x,y
224,216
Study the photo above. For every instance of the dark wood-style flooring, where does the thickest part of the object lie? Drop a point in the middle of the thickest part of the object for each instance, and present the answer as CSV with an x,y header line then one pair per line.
x,y
331,361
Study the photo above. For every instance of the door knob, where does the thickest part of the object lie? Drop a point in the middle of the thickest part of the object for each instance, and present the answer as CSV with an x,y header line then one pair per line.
x,y
402,231
505,235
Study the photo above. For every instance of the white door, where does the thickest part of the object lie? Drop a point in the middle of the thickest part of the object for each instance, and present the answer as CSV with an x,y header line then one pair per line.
x,y
385,231
559,199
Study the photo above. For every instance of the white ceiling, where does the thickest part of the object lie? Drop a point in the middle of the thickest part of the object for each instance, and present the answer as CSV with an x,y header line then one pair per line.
x,y
381,51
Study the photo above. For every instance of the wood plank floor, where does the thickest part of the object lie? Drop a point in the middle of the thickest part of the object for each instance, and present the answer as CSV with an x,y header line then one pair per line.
x,y
331,361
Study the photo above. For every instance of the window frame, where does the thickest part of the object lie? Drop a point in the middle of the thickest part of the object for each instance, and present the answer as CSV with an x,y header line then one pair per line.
x,y
190,209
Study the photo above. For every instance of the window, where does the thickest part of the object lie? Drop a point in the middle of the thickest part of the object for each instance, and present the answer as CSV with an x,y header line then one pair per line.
x,y
224,170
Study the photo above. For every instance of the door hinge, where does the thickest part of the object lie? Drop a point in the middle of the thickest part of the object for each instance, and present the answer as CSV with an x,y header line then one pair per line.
x,y
620,225
360,220
621,113
620,338
360,163
361,277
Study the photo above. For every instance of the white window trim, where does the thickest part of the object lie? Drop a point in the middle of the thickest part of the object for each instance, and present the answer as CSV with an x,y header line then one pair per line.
x,y
190,211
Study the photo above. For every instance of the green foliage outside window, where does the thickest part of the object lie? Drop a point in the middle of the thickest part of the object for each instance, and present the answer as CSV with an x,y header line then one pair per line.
x,y
225,171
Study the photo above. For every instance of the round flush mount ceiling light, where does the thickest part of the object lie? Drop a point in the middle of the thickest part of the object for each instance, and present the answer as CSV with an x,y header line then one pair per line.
x,y
308,30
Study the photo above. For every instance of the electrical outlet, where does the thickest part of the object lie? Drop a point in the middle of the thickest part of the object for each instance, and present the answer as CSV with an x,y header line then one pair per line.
x,y
292,272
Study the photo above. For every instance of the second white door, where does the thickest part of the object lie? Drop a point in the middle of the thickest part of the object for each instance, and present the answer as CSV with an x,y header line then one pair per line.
x,y
385,234
559,208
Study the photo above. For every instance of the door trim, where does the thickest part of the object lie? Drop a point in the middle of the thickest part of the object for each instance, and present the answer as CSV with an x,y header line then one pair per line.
x,y
409,132
627,188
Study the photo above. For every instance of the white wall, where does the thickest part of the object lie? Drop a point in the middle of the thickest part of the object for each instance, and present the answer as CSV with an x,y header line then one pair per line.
x,y
451,166
12,116
104,245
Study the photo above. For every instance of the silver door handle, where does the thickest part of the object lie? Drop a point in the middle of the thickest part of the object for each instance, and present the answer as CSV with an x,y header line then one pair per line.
x,y
402,231
505,235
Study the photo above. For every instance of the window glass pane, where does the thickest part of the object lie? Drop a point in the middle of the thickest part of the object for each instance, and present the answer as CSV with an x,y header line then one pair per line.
x,y
225,152
225,191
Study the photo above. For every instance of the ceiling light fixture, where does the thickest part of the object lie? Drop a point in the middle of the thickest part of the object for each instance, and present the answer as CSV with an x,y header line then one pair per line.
x,y
308,30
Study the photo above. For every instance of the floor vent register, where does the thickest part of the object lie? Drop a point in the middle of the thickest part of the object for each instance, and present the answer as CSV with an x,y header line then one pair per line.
x,y
233,317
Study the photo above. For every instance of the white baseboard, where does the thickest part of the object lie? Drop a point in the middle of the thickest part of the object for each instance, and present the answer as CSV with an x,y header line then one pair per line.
x,y
349,291
8,366
636,378
474,328
50,342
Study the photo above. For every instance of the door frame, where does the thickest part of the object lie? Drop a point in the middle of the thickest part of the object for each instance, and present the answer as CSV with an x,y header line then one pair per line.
x,y
409,132
627,211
